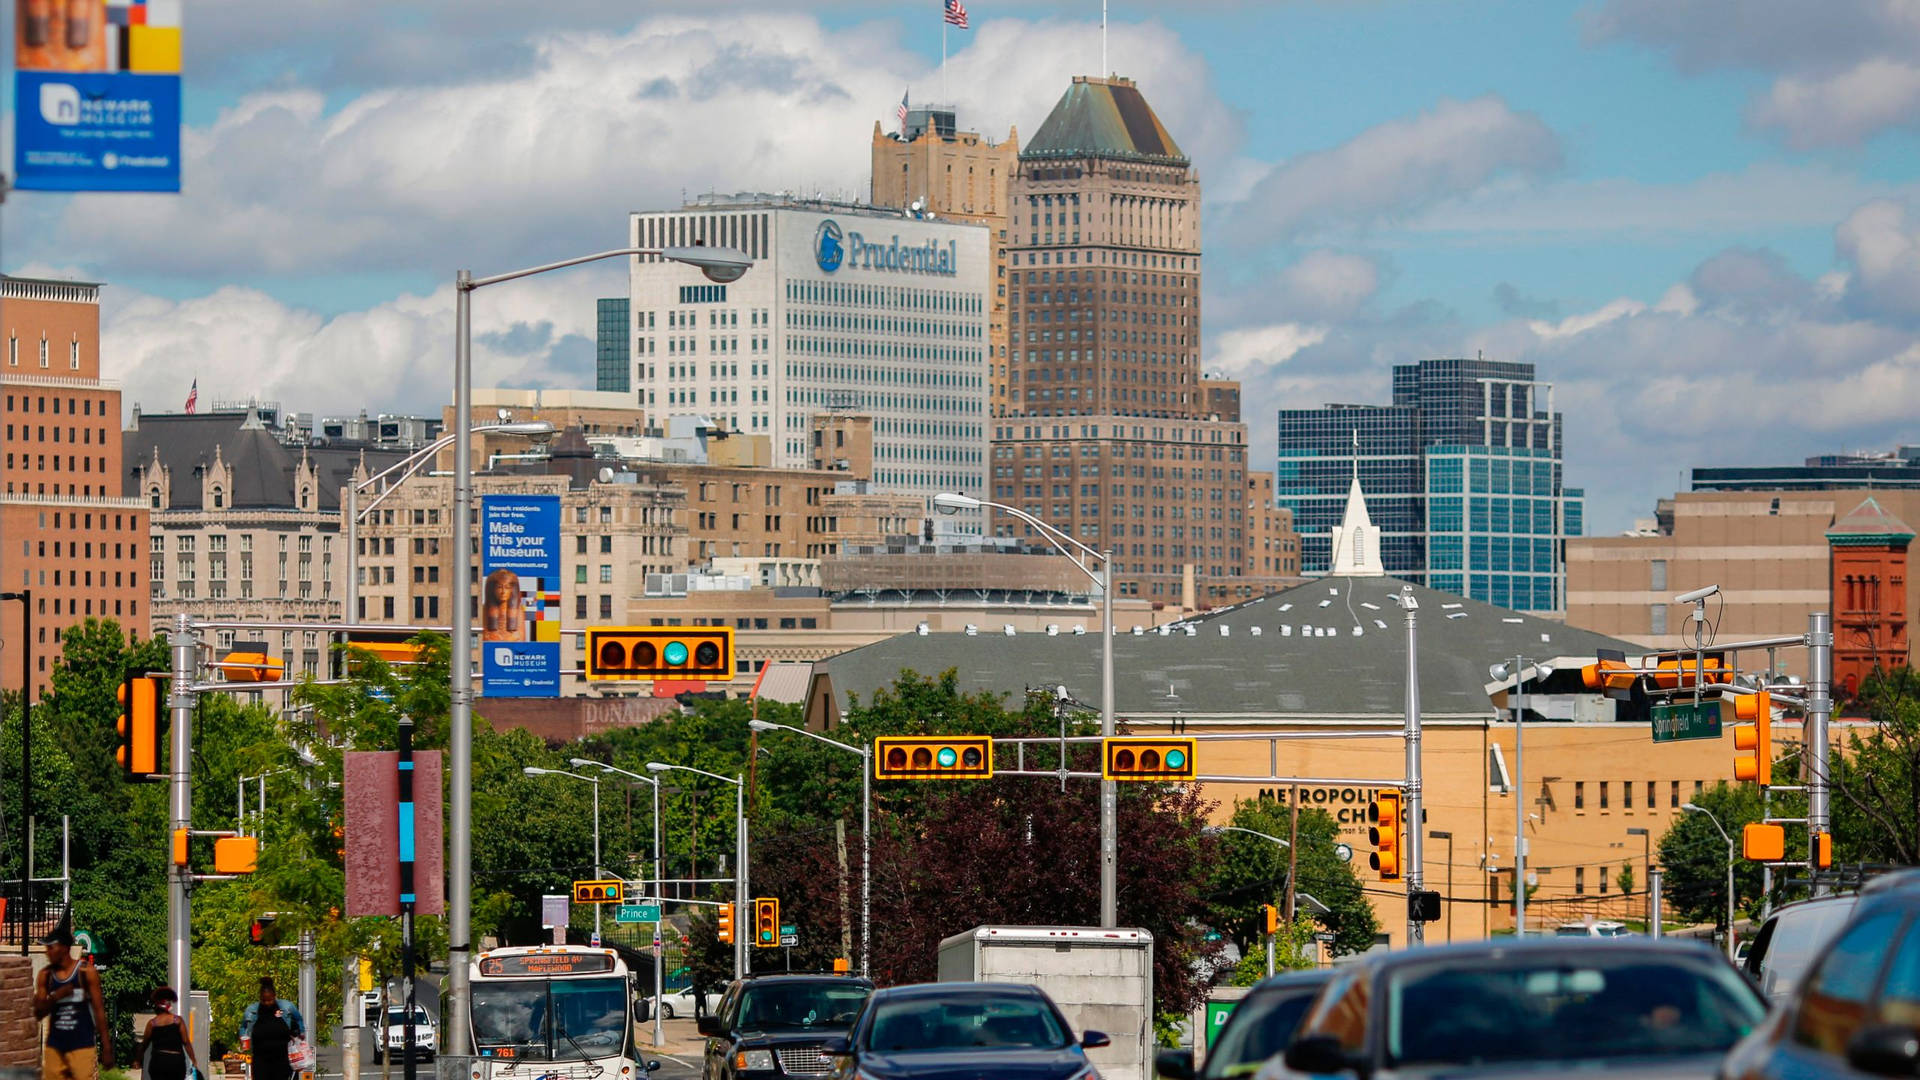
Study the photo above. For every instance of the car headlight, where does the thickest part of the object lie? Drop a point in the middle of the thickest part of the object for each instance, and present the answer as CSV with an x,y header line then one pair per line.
x,y
754,1059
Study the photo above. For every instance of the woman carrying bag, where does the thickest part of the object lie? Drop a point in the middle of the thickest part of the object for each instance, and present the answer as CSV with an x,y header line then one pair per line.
x,y
164,1046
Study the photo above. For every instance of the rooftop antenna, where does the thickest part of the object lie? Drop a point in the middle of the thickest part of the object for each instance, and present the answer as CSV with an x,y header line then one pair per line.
x,y
1103,38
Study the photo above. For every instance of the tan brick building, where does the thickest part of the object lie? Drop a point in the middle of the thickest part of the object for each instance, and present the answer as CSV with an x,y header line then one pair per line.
x,y
67,533
1273,547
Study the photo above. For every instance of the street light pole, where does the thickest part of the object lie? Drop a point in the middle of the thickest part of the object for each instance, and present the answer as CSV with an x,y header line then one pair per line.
x,y
739,853
1285,844
866,832
719,265
950,502
658,891
535,770
1517,673
1443,834
1416,816
1697,809
1646,844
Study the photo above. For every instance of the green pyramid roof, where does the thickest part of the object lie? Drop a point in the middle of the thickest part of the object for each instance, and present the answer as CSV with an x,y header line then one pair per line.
x,y
1869,524
1103,118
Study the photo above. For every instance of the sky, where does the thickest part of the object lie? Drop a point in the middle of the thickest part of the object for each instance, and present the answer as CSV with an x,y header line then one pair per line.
x,y
1698,218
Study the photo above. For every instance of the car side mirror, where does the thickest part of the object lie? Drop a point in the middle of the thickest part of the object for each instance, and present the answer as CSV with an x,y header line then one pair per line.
x,y
1093,1040
1174,1064
1885,1050
710,1026
1320,1054
837,1046
650,1066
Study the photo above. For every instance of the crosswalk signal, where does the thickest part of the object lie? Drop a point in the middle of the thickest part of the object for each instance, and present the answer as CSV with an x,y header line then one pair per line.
x,y
1753,746
1270,916
141,728
724,929
693,653
933,757
263,932
1134,758
1383,814
596,892
1822,851
766,923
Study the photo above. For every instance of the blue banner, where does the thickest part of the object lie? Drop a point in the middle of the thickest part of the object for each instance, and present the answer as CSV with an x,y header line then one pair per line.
x,y
520,596
96,131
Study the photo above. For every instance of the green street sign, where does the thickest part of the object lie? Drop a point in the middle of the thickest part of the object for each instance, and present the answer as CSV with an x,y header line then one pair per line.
x,y
631,913
786,931
1686,720
1217,1013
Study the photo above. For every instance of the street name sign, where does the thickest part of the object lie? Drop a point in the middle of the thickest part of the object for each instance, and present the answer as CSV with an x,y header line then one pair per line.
x,y
1686,720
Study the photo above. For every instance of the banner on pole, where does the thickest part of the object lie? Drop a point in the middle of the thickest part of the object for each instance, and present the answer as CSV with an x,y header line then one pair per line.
x,y
520,596
97,95
372,837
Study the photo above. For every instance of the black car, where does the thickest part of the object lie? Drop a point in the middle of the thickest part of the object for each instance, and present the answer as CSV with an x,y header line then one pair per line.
x,y
963,1031
1604,1008
1857,1011
774,1025
1260,1026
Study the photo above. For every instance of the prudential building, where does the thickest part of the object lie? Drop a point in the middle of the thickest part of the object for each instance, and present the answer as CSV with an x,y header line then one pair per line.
x,y
847,310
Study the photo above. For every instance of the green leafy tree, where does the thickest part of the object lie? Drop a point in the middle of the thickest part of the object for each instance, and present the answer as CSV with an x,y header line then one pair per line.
x,y
1876,776
1294,949
1252,872
1694,856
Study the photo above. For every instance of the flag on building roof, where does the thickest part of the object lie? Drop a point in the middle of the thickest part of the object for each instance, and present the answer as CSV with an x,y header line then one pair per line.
x,y
193,396
956,14
901,113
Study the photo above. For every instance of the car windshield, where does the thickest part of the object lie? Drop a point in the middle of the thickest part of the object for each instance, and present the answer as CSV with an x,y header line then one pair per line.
x,y
1794,940
1261,1026
399,1016
1555,1009
965,1022
800,1006
562,1020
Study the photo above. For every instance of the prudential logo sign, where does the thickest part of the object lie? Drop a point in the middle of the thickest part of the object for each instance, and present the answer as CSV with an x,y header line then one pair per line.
x,y
833,247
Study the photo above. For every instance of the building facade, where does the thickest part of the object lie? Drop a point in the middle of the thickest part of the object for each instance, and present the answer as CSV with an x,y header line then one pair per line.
x,y
1463,473
612,346
959,176
1869,589
68,536
847,309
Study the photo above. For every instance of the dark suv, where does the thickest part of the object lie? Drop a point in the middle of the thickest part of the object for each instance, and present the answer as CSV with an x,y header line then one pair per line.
x,y
773,1025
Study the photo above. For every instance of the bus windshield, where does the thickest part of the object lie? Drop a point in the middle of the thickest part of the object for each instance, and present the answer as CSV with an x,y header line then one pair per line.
x,y
557,1020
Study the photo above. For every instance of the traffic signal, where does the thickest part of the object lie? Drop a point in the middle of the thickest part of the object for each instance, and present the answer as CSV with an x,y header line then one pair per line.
x,y
1135,758
724,931
596,892
236,854
1753,759
1609,674
694,653
1674,674
933,757
1270,917
142,727
249,662
180,847
1822,851
263,932
1423,906
1383,814
766,923
1763,842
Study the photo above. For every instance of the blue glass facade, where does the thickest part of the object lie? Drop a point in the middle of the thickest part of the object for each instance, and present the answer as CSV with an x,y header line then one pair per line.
x,y
613,347
1462,475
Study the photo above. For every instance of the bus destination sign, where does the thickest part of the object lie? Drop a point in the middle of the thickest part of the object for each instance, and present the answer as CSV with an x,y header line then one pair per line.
x,y
567,963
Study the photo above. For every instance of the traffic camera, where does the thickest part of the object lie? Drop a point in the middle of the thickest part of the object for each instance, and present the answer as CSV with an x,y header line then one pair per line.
x,y
766,923
693,653
1753,746
142,727
1383,814
933,757
1137,758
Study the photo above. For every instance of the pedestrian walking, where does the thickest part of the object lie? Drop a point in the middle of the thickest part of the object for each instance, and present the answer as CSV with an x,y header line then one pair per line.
x,y
165,1052
270,1025
699,986
67,995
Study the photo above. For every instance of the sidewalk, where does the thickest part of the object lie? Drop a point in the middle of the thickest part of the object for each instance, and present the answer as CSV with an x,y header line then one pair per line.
x,y
679,1038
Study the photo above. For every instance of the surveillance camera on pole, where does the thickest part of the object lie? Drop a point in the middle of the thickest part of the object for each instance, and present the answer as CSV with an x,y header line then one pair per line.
x,y
1697,595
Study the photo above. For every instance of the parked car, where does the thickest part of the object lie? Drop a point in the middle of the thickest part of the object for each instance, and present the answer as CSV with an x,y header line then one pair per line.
x,y
394,1035
1791,940
1857,1011
1259,1027
774,1025
678,1003
1600,928
1006,1031
1536,1008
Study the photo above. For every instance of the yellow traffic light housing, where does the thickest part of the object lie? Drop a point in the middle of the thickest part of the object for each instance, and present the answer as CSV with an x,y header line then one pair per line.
x,y
933,757
693,653
1270,915
1674,674
1761,842
1383,814
766,923
180,847
1822,851
236,854
1146,758
724,929
596,892
1753,759
142,727
1608,674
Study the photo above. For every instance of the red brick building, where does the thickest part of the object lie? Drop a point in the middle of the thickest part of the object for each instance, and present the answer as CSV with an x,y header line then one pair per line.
x,y
66,533
1869,561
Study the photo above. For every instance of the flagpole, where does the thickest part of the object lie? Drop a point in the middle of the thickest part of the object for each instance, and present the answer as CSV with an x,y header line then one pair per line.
x,y
943,57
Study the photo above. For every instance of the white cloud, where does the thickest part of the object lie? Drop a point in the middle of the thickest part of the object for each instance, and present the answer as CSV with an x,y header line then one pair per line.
x,y
1842,109
1882,241
1395,168
1327,284
1245,354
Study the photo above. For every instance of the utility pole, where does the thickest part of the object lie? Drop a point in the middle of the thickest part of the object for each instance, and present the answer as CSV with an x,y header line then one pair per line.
x,y
1819,713
1654,904
1415,829
185,647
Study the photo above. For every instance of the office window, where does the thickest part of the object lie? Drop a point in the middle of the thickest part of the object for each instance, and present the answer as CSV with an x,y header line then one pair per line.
x,y
1657,618
1626,794
1652,802
606,606
1676,795
606,574
1579,794
1601,873
1603,794
1579,881
580,604
1659,583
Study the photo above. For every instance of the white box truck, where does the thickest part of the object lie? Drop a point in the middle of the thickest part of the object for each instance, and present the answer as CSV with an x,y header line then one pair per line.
x,y
1101,979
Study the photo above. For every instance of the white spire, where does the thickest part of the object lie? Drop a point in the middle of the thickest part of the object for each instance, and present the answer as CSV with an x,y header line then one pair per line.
x,y
1356,544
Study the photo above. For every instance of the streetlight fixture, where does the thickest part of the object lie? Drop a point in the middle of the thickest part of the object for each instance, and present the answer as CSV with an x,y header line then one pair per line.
x,y
1646,844
1443,834
950,502
535,770
866,832
1282,843
739,852
658,891
537,430
1517,673
720,265
1695,808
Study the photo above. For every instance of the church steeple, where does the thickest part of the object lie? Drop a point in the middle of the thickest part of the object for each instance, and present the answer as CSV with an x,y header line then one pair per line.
x,y
1356,543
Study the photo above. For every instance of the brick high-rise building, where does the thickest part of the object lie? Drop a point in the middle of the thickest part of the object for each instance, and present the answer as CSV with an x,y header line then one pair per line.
x,y
66,533
1112,433
959,175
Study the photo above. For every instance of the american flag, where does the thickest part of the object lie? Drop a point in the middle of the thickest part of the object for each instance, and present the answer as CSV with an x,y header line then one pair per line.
x,y
956,14
193,395
901,112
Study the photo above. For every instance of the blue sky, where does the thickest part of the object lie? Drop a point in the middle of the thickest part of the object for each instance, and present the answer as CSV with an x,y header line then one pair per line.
x,y
1661,203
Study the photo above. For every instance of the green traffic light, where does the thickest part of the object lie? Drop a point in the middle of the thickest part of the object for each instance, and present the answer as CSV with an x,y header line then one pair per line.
x,y
676,653
947,757
1176,759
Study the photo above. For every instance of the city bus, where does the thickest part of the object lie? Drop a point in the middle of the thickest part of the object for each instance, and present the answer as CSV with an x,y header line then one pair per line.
x,y
563,1012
